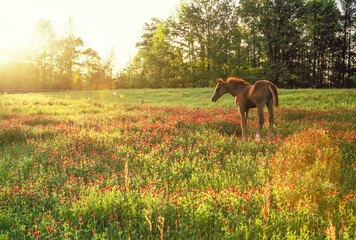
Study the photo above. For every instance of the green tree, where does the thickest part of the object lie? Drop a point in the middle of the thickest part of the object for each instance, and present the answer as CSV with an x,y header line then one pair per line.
x,y
56,62
322,26
77,65
155,65
252,48
44,54
208,30
348,55
276,24
70,48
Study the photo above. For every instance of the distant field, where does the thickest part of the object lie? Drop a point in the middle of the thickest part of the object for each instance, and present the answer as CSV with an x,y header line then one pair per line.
x,y
169,163
312,99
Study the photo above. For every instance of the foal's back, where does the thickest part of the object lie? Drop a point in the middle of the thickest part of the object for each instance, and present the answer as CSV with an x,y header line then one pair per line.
x,y
260,92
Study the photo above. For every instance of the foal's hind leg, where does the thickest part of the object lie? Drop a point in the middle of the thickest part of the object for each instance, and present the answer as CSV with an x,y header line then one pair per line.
x,y
247,109
261,120
270,118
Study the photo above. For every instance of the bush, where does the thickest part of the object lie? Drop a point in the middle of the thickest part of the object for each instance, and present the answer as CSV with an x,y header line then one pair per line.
x,y
307,166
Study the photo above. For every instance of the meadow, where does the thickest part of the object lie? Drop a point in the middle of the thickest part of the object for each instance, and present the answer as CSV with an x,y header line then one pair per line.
x,y
170,164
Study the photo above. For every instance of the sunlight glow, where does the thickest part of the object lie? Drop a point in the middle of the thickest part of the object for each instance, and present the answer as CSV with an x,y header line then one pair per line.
x,y
13,37
102,24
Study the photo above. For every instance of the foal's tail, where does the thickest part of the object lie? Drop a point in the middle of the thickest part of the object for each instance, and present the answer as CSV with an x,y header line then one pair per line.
x,y
274,92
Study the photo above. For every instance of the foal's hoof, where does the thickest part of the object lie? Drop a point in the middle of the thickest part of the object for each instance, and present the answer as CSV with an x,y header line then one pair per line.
x,y
258,137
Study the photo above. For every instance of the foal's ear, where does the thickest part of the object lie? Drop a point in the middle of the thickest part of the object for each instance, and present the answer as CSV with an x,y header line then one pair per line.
x,y
219,80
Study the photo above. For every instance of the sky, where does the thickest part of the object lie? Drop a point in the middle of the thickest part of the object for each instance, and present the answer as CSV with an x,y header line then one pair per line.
x,y
102,24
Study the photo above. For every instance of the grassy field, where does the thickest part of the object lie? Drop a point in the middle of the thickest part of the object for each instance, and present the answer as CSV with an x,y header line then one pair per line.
x,y
310,99
170,164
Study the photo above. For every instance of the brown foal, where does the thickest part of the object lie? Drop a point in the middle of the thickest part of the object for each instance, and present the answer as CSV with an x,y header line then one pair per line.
x,y
250,96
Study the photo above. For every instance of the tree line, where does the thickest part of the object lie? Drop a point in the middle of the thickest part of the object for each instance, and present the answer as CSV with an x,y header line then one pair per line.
x,y
294,43
60,62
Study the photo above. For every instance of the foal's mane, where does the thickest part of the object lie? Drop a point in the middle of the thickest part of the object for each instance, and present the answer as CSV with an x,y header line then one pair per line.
x,y
237,81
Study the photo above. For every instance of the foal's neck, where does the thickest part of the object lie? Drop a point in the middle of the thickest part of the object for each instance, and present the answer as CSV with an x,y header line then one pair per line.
x,y
237,89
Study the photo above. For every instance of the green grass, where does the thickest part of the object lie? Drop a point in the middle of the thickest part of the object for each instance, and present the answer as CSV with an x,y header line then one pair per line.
x,y
108,100
141,164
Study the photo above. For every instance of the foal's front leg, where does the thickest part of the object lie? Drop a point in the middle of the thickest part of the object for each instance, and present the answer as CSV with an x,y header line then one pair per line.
x,y
243,115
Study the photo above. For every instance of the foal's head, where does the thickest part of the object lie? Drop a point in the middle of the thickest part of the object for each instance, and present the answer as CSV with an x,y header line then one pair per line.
x,y
232,86
220,90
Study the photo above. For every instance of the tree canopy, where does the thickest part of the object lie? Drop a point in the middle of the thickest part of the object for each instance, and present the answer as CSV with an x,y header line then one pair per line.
x,y
296,43
56,62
